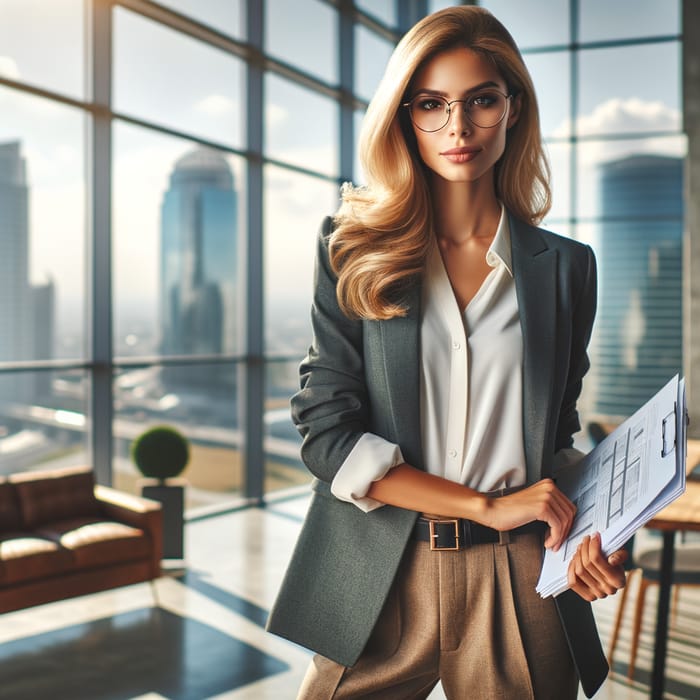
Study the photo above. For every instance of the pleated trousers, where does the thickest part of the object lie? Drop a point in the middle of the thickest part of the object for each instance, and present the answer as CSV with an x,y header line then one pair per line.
x,y
470,619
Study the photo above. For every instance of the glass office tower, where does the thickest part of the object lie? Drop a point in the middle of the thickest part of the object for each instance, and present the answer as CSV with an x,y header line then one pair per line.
x,y
638,345
198,265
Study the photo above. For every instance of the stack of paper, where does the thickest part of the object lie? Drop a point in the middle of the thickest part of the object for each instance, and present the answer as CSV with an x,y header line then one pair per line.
x,y
624,482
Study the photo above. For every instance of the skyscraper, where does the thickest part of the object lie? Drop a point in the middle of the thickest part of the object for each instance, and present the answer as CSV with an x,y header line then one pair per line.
x,y
14,253
638,336
198,264
15,293
26,311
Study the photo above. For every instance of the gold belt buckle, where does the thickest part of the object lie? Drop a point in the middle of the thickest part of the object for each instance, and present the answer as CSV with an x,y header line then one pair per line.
x,y
434,535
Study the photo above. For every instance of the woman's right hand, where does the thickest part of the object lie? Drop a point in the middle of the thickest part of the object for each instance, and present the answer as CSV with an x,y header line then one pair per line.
x,y
541,501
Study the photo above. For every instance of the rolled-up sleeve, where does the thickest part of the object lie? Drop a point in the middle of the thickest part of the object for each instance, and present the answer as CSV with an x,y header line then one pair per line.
x,y
369,460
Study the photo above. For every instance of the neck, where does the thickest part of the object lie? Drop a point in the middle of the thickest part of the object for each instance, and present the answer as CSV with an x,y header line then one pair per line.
x,y
463,211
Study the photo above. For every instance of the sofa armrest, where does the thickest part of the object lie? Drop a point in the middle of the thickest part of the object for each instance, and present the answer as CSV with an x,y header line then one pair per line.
x,y
143,513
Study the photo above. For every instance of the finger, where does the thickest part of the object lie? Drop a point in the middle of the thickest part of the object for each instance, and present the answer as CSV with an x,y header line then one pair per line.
x,y
562,512
557,530
610,577
586,571
576,585
554,512
618,558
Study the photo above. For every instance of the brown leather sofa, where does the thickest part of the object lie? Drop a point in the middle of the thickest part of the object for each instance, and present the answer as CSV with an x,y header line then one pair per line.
x,y
61,535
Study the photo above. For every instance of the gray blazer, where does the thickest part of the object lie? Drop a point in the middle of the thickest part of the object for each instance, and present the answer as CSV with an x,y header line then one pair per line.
x,y
363,376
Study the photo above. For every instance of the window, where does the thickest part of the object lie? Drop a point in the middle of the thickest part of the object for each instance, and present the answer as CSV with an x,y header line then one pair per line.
x,y
211,231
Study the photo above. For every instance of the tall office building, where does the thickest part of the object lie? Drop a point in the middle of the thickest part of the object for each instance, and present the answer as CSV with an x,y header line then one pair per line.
x,y
26,311
15,293
42,335
198,265
638,337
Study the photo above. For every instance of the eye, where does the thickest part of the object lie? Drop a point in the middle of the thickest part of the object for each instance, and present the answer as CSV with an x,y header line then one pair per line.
x,y
428,104
484,100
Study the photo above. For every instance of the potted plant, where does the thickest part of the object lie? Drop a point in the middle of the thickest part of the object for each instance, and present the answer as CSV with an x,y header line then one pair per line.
x,y
161,454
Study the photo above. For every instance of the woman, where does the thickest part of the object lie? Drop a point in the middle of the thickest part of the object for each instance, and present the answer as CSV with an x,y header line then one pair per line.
x,y
439,394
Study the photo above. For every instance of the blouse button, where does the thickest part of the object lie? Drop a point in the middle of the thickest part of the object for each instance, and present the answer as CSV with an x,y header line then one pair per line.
x,y
453,453
456,345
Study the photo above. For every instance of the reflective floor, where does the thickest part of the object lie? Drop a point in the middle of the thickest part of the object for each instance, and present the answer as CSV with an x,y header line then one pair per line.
x,y
197,633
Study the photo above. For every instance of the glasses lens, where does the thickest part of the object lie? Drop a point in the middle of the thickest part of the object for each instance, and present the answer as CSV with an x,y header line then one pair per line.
x,y
486,109
429,113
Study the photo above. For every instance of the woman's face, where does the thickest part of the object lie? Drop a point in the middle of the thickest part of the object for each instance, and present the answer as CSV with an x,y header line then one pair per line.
x,y
461,151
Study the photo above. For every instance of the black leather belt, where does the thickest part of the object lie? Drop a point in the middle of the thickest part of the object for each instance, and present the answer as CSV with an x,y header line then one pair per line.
x,y
451,534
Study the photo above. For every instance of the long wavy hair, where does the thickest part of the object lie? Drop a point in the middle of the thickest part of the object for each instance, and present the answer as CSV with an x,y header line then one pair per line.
x,y
382,230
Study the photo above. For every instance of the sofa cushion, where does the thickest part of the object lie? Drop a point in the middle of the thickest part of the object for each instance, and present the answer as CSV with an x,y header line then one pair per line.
x,y
93,542
56,495
10,515
25,557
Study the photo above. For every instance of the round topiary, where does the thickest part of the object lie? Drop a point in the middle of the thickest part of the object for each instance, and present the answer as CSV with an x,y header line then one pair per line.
x,y
160,452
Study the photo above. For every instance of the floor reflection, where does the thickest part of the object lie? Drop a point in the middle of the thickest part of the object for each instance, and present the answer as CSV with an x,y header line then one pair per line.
x,y
149,650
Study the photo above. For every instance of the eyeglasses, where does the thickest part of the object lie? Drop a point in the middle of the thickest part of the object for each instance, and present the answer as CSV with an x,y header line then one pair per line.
x,y
485,109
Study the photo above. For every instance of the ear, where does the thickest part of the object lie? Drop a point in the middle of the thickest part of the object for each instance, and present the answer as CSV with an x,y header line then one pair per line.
x,y
513,111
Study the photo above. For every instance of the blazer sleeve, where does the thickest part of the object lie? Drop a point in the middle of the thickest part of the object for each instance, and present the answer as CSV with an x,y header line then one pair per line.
x,y
330,409
583,314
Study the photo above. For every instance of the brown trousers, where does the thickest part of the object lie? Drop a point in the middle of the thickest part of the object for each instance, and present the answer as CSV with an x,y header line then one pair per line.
x,y
471,619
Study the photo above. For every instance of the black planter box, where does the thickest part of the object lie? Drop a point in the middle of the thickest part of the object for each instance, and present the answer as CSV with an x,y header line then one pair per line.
x,y
172,498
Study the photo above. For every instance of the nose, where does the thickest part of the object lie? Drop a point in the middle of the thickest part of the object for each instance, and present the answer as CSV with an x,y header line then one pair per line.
x,y
457,120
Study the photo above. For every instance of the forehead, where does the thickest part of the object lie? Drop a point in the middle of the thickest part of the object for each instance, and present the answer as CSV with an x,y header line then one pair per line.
x,y
456,70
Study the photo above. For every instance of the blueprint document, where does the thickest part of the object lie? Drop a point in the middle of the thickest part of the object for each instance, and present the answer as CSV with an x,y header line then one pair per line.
x,y
626,480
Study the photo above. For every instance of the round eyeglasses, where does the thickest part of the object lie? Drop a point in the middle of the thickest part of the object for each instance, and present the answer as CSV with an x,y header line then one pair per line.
x,y
485,109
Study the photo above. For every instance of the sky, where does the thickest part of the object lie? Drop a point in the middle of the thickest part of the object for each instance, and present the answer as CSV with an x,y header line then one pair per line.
x,y
177,82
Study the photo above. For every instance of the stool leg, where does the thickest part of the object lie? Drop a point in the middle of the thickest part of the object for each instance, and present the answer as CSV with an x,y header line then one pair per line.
x,y
620,614
638,611
674,603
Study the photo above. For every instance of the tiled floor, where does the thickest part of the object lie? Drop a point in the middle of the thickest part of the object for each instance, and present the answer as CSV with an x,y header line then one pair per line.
x,y
198,632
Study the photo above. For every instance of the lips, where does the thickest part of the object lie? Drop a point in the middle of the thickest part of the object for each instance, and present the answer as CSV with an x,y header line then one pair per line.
x,y
461,155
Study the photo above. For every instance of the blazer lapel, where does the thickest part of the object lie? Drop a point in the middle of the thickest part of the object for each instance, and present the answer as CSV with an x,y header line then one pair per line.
x,y
535,272
401,351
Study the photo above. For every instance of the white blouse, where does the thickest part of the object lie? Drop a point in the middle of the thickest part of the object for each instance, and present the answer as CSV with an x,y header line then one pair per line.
x,y
471,387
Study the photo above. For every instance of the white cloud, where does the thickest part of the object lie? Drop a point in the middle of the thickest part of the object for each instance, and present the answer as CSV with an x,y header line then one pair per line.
x,y
623,116
216,106
8,68
275,116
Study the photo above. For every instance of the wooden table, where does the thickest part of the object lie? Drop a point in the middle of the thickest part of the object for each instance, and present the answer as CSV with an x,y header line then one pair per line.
x,y
681,516
693,455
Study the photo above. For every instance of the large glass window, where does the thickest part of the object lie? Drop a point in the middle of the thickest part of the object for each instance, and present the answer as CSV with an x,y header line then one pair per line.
x,y
42,229
311,46
199,400
43,420
178,226
283,467
41,43
227,16
173,80
301,127
550,72
596,157
616,97
383,10
295,206
533,23
627,19
371,56
185,168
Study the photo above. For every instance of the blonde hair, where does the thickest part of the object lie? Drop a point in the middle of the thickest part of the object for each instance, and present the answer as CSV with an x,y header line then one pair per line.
x,y
382,230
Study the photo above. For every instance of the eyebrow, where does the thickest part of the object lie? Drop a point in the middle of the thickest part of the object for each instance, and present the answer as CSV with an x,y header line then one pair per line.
x,y
440,93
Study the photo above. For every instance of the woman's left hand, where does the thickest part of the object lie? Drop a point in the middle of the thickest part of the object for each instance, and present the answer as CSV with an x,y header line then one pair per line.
x,y
593,575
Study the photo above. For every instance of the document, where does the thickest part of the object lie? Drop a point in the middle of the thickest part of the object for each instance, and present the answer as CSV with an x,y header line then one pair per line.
x,y
624,482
